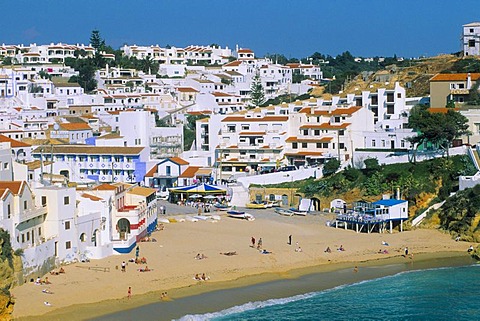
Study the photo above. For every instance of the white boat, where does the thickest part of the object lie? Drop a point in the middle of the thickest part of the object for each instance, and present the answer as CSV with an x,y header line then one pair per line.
x,y
298,212
191,219
241,214
202,217
283,211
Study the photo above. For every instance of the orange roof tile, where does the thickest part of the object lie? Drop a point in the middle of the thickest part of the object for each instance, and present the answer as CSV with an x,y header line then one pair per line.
x,y
13,143
189,172
455,77
305,153
104,187
441,110
325,126
251,133
75,126
346,111
152,171
91,197
179,161
308,140
187,89
15,186
254,119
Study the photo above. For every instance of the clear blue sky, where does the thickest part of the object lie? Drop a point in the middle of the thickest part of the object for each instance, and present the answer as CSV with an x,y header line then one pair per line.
x,y
295,28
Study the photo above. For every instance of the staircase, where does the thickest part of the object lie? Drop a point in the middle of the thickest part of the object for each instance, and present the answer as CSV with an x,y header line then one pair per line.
x,y
240,195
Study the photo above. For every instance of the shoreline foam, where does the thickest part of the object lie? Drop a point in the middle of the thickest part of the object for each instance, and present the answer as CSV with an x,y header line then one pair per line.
x,y
247,284
83,293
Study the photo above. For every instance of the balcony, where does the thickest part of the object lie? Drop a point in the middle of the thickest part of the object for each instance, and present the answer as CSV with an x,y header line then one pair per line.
x,y
32,213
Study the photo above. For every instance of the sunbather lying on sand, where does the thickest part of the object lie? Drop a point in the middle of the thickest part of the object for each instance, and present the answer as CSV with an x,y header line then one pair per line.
x,y
229,253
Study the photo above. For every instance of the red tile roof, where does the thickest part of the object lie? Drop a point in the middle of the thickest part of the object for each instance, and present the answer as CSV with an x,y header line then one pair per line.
x,y
455,77
75,126
15,186
13,143
254,119
189,172
179,161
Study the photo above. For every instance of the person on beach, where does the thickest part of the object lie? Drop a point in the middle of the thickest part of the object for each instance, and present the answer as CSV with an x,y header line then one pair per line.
x,y
290,239
253,241
406,251
129,293
137,252
259,244
124,266
355,269
327,250
470,249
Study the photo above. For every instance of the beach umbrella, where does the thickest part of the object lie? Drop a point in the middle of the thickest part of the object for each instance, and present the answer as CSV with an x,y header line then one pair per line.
x,y
209,197
195,196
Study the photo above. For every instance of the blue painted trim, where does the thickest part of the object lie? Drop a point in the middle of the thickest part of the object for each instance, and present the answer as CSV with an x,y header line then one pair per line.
x,y
125,250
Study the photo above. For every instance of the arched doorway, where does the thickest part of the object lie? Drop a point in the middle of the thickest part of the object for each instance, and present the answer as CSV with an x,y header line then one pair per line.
x,y
123,227
95,237
285,200
83,237
315,202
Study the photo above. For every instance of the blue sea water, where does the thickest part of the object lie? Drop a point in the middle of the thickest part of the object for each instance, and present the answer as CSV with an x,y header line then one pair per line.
x,y
451,293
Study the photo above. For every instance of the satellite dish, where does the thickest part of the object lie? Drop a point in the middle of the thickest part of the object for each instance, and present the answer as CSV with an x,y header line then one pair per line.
x,y
56,126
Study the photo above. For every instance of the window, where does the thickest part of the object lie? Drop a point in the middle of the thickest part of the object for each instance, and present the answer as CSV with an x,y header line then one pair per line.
x,y
316,132
294,145
68,245
9,212
319,145
383,143
23,238
231,128
25,205
39,231
374,143
28,236
342,145
402,143
6,165
66,200
304,145
341,132
245,127
390,98
399,95
67,225
305,132
471,43
374,100
390,109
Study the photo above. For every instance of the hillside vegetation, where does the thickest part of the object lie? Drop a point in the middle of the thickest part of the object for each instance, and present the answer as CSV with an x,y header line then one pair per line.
x,y
422,184
413,75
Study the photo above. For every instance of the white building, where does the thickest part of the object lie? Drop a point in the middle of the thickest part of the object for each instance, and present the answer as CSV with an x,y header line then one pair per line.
x,y
471,39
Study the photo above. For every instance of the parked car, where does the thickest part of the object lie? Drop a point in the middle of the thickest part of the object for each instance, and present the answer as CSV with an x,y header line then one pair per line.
x,y
287,168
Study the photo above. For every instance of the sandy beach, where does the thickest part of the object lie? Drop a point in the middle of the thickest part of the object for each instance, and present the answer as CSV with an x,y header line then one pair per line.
x,y
172,263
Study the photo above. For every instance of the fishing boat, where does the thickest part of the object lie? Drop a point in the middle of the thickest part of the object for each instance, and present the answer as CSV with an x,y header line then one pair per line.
x,y
283,211
240,214
298,212
256,205
221,207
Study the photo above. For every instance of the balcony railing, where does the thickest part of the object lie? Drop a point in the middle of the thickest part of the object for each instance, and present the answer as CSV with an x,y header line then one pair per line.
x,y
32,213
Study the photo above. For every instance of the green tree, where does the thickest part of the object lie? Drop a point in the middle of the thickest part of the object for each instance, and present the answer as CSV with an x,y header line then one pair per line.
x,y
330,167
371,166
257,93
96,41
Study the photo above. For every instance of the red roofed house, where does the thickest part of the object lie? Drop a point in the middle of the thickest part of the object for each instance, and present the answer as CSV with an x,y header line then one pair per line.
x,y
74,133
166,173
20,151
446,87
